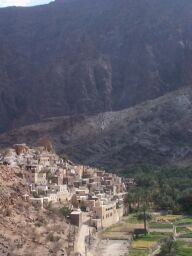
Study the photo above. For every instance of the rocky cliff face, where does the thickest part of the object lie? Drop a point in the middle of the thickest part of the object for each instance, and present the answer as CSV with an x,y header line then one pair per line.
x,y
82,56
154,133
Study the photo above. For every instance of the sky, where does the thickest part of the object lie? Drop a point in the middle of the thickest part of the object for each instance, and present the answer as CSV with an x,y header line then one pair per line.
x,y
4,3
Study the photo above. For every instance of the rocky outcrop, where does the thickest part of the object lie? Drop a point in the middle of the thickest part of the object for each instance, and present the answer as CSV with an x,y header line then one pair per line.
x,y
82,56
154,133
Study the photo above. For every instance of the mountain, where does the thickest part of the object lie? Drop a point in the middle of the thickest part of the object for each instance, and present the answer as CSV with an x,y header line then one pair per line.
x,y
87,57
157,132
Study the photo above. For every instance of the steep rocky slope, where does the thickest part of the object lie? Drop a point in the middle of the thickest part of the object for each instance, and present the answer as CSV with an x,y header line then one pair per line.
x,y
25,230
83,56
158,132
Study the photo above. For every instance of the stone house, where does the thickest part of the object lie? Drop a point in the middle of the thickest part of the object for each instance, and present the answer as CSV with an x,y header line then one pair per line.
x,y
38,178
107,212
61,192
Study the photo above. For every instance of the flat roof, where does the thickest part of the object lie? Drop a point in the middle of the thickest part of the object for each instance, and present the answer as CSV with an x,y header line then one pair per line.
x,y
76,212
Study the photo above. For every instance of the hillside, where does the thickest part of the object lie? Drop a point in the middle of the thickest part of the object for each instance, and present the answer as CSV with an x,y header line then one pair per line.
x,y
24,230
85,57
154,133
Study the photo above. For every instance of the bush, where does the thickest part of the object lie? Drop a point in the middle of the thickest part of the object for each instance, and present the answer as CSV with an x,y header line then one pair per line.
x,y
52,237
65,211
83,208
169,248
38,224
7,212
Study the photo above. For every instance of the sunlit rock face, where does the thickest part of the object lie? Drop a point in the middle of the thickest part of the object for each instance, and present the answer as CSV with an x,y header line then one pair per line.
x,y
82,56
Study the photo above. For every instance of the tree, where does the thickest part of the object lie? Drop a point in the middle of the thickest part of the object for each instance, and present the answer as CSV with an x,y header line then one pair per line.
x,y
169,248
143,216
65,211
130,200
144,207
186,203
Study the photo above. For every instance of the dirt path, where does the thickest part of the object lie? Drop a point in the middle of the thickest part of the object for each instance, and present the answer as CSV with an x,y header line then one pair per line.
x,y
80,244
112,248
98,247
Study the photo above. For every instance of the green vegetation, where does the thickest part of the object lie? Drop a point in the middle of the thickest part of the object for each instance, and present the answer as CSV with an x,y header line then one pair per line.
x,y
143,243
187,235
163,189
184,249
132,218
169,248
153,236
121,231
181,229
160,235
65,211
184,221
135,252
156,225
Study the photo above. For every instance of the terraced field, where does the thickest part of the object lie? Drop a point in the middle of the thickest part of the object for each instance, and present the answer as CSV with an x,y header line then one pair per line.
x,y
185,249
160,228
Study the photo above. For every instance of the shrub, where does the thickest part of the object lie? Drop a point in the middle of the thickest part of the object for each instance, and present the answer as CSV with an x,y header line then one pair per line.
x,y
52,237
83,208
7,212
65,211
38,224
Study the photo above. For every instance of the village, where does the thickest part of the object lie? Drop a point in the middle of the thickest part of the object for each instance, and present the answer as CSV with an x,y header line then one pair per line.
x,y
90,194
93,202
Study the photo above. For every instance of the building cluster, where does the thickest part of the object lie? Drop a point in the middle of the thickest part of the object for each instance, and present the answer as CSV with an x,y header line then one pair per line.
x,y
51,179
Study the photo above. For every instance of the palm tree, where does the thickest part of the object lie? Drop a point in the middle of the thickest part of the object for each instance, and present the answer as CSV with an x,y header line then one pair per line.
x,y
130,200
145,199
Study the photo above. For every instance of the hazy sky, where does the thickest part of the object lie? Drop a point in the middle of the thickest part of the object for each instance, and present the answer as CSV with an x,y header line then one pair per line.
x,y
4,3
